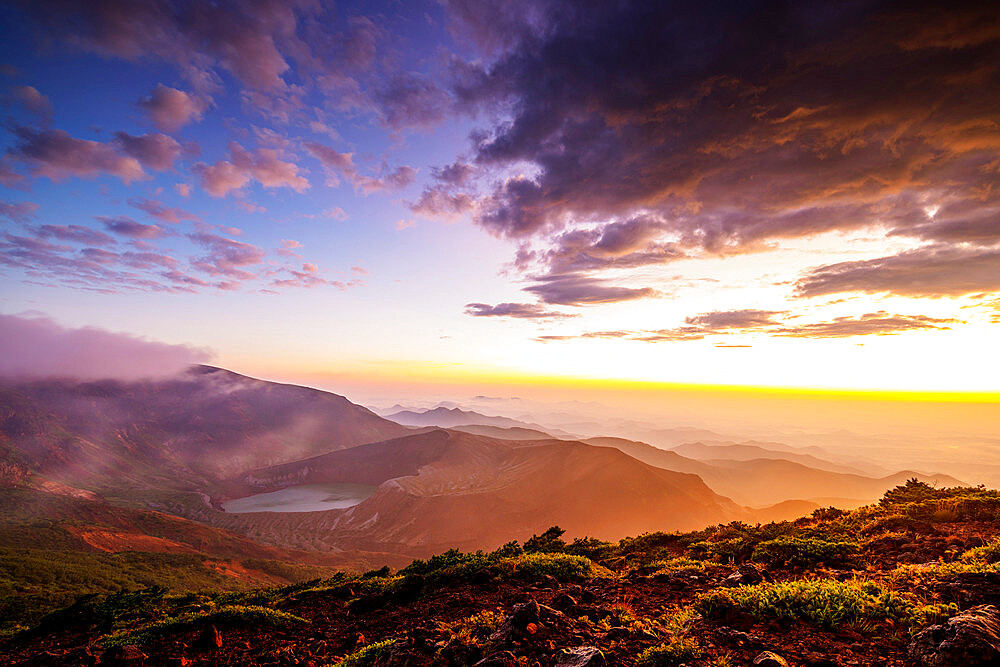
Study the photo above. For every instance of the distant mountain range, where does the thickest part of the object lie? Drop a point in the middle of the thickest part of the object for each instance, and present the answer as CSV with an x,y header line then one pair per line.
x,y
442,478
452,417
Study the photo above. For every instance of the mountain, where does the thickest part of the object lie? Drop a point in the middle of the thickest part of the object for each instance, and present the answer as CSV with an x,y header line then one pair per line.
x,y
764,482
513,433
450,417
746,451
187,432
436,488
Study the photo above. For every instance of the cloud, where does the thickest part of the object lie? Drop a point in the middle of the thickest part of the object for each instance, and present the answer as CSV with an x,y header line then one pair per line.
x,y
733,319
243,166
530,311
226,257
76,234
574,290
37,347
18,211
339,164
870,324
125,226
410,99
57,155
155,151
778,324
171,109
162,212
934,271
735,130
34,101
244,39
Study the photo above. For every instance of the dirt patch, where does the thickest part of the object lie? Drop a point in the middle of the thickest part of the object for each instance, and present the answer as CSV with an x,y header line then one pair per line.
x,y
114,541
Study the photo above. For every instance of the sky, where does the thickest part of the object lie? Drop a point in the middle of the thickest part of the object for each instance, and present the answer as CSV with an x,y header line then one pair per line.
x,y
460,194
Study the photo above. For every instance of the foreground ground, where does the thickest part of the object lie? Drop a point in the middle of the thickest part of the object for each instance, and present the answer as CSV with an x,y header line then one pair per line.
x,y
837,588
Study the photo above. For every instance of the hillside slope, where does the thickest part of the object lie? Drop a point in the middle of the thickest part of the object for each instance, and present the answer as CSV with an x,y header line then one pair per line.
x,y
187,432
447,488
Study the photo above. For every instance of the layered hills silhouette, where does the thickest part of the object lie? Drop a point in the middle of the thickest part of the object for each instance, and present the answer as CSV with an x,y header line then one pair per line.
x,y
118,468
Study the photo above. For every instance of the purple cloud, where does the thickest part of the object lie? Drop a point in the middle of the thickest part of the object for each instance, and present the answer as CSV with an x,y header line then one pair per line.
x,y
57,155
932,271
33,347
125,226
171,109
155,151
339,165
162,212
76,234
262,165
573,290
530,311
18,211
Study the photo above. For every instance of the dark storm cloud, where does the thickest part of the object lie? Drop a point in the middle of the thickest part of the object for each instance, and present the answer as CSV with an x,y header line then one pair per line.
x,y
735,126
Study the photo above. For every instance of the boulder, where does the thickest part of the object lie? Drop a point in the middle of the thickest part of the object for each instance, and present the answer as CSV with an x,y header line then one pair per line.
x,y
769,659
745,575
123,655
969,639
581,656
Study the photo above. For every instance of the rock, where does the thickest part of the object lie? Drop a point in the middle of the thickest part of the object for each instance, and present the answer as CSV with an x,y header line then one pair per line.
x,y
769,659
210,638
501,659
818,660
581,656
969,639
731,637
588,597
563,601
527,620
615,634
123,655
745,575
550,581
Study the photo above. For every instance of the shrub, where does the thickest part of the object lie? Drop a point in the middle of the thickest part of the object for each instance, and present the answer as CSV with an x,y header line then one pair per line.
x,y
804,552
988,553
676,651
475,629
548,542
561,566
823,602
234,615
366,656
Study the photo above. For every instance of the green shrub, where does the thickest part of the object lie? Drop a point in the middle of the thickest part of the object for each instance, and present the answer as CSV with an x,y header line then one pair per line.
x,y
475,629
366,656
234,615
823,602
561,566
548,542
676,651
804,552
988,553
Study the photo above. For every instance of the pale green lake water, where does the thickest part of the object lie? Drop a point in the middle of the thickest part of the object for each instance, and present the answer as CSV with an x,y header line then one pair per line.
x,y
303,498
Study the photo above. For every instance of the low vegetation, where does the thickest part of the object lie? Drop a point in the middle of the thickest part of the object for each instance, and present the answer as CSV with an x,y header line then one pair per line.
x,y
824,602
884,571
